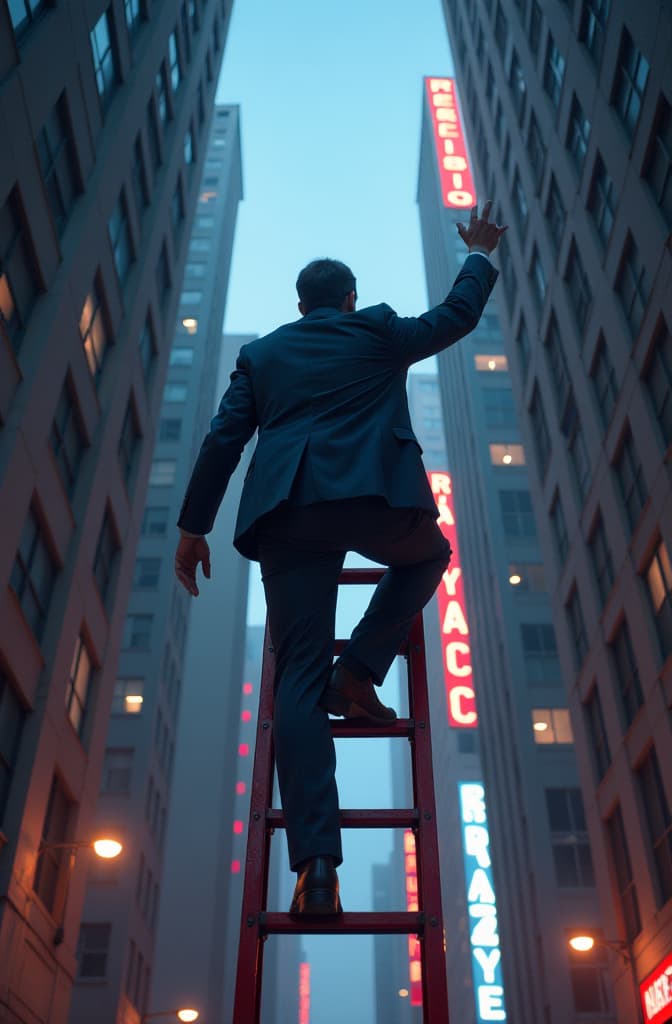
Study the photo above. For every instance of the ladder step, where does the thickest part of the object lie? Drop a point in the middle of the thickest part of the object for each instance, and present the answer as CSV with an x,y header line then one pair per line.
x,y
357,923
362,727
378,818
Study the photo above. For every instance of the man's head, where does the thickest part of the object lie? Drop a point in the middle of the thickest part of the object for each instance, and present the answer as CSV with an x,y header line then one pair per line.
x,y
326,283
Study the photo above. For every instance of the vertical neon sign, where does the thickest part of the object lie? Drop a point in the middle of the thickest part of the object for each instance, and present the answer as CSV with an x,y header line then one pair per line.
x,y
457,186
304,993
414,957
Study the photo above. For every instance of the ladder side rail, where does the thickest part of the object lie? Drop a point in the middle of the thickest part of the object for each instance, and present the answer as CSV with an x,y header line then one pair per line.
x,y
432,945
247,1005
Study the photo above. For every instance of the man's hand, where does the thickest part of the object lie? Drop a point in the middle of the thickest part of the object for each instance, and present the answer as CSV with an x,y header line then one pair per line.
x,y
191,551
481,234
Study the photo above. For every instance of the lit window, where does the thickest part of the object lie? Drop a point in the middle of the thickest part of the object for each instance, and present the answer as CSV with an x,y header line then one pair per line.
x,y
551,725
527,576
128,698
507,455
495,363
78,687
104,58
93,330
191,324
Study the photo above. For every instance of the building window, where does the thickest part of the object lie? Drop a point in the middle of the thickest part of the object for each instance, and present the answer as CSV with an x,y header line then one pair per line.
x,y
658,379
554,72
501,30
174,61
534,29
518,87
527,577
491,363
153,134
177,208
577,627
600,554
170,429
67,438
537,278
189,146
559,528
630,477
657,813
541,438
191,298
120,238
163,282
591,981
79,685
201,103
557,364
54,832
137,632
34,573
624,877
627,673
629,84
520,207
536,150
602,200
517,516
104,58
659,584
56,153
129,441
147,346
604,383
507,454
162,473
146,573
133,17
499,408
658,170
139,178
184,19
506,267
578,134
128,697
18,278
632,285
593,28
576,446
155,520
523,343
12,718
117,771
598,734
107,549
175,392
161,83
556,214
93,329
92,950
578,286
551,726
569,838
24,12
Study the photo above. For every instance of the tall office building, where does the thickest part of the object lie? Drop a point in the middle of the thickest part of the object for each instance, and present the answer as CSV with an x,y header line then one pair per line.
x,y
105,116
570,108
540,852
165,696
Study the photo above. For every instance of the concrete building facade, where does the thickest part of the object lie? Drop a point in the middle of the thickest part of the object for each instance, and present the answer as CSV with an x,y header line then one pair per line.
x,y
569,106
105,114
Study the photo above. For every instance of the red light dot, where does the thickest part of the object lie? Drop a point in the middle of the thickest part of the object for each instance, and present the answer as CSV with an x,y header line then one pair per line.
x,y
244,749
237,827
246,716
247,687
235,867
240,788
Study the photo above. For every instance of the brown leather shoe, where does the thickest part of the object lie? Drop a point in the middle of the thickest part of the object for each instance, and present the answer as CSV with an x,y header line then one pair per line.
x,y
353,698
316,889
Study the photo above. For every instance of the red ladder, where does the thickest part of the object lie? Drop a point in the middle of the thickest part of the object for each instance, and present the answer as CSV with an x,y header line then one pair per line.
x,y
427,923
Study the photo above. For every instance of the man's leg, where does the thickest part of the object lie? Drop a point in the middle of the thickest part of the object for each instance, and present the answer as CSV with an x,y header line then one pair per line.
x,y
301,588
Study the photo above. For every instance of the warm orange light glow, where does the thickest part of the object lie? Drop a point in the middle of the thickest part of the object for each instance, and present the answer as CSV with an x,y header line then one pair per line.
x,y
540,726
133,702
582,943
507,458
403,992
188,1015
515,579
108,849
492,365
191,323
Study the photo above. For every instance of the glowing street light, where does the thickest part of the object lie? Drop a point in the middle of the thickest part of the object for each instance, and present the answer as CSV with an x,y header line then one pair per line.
x,y
104,847
583,942
515,579
108,849
580,943
185,1015
403,992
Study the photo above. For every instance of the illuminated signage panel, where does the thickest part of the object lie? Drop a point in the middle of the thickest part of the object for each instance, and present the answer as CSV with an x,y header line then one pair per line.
x,y
304,993
455,647
414,957
655,993
483,932
457,186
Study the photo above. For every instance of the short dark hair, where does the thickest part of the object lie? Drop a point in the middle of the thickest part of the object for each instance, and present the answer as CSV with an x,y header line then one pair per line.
x,y
325,283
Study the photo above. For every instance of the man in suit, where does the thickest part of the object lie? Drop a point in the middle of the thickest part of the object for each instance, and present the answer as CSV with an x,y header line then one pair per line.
x,y
336,468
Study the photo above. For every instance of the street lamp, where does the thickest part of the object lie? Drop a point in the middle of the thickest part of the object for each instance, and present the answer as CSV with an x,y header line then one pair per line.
x,y
584,942
185,1015
104,847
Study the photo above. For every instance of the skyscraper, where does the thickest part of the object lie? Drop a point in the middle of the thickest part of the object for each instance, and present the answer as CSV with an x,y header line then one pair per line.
x,y
540,852
570,109
106,116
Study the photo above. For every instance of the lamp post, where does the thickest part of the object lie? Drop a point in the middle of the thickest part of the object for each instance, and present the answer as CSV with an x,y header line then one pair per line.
x,y
185,1015
104,847
583,942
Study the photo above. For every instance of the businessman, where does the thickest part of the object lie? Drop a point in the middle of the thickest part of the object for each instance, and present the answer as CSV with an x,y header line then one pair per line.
x,y
336,468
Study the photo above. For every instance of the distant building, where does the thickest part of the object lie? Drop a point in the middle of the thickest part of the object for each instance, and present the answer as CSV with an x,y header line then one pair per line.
x,y
106,115
570,110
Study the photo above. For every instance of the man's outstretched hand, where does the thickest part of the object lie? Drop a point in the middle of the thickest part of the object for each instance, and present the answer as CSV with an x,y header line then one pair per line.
x,y
481,233
191,551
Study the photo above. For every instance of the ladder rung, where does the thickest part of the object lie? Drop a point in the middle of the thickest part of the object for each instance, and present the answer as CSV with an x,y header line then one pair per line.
x,y
378,818
348,727
357,923
349,576
340,645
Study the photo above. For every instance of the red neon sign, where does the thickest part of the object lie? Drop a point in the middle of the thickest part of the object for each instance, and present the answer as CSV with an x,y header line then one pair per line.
x,y
655,993
304,993
455,646
457,186
414,957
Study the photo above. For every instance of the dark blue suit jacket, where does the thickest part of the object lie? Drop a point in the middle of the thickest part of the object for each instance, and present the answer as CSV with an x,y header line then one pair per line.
x,y
328,397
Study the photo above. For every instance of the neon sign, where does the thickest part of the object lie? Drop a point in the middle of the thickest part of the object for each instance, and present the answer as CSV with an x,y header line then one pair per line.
x,y
304,993
655,993
455,647
457,186
483,934
414,956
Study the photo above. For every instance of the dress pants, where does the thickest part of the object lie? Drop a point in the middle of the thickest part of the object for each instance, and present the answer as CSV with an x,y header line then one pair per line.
x,y
301,551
